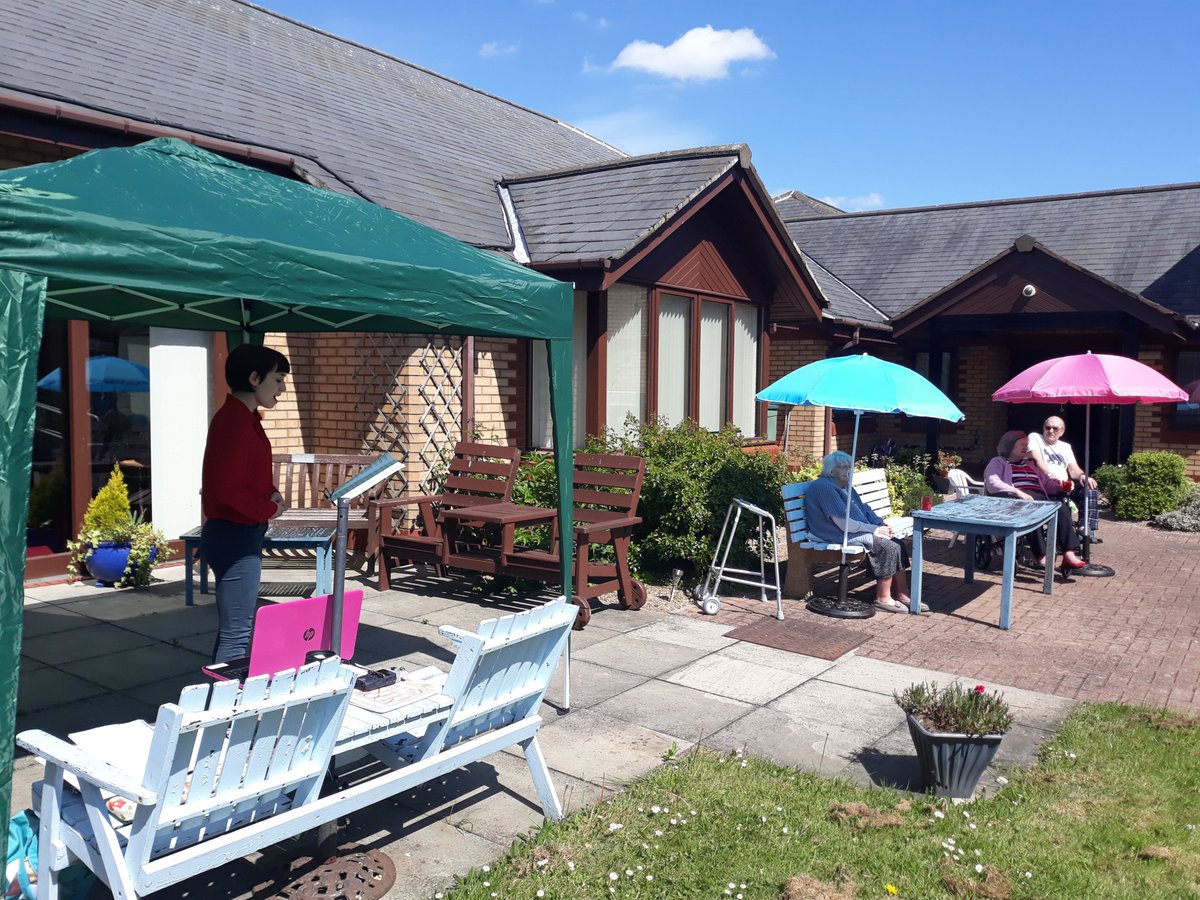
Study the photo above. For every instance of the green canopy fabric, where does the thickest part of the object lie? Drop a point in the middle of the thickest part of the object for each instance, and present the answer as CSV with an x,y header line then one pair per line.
x,y
166,234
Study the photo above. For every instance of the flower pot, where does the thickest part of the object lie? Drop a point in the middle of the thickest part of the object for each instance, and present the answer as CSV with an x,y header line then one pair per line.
x,y
952,763
107,560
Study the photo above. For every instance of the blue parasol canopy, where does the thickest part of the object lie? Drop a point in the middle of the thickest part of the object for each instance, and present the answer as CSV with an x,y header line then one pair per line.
x,y
106,374
860,383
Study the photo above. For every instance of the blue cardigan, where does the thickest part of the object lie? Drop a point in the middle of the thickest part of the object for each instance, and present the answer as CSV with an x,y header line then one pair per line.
x,y
825,499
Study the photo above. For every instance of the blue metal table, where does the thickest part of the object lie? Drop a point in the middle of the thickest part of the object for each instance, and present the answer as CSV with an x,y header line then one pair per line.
x,y
999,517
292,537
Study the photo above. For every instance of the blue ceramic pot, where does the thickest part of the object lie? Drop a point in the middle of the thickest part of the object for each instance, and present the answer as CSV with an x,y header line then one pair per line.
x,y
107,561
952,763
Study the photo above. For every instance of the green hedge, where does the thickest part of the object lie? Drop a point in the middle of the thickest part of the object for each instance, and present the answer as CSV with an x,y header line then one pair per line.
x,y
1147,485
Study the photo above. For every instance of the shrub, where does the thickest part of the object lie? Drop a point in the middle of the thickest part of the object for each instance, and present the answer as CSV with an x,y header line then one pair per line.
x,y
1186,518
906,482
691,477
1155,482
108,513
955,709
1110,480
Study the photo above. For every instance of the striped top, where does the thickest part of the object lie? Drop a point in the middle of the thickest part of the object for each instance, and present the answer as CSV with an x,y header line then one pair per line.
x,y
1027,477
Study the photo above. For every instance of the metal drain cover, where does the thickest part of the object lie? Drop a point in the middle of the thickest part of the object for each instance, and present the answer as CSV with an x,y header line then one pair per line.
x,y
350,875
838,609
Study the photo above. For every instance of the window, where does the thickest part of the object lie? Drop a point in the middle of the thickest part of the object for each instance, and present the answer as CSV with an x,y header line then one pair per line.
x,y
946,383
674,357
627,354
706,361
1187,376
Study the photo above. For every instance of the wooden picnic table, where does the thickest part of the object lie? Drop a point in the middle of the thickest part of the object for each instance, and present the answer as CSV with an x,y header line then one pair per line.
x,y
504,515
975,515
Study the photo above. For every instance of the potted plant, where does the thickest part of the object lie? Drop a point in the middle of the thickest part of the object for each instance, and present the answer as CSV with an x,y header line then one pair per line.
x,y
956,731
942,464
114,545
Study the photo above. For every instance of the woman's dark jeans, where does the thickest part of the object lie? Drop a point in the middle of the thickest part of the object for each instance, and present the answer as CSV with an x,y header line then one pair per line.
x,y
234,552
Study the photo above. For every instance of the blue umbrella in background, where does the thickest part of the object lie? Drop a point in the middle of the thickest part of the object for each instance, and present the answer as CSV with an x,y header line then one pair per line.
x,y
860,384
106,374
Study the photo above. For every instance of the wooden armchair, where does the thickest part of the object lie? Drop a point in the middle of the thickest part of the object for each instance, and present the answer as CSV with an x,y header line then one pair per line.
x,y
605,498
479,474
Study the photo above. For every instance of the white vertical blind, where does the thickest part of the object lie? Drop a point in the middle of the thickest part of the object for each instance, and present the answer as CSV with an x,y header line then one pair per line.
x,y
714,356
627,354
540,433
745,366
674,365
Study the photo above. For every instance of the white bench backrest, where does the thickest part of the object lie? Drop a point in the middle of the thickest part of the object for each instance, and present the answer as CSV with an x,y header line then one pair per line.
x,y
235,753
871,485
501,671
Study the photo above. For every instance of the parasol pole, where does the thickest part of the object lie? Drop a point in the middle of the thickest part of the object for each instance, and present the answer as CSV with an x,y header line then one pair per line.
x,y
1087,471
842,587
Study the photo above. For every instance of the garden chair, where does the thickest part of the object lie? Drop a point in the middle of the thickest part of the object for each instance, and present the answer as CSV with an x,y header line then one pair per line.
x,y
479,474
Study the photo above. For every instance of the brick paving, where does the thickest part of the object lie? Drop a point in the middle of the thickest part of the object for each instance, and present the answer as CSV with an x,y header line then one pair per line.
x,y
1133,638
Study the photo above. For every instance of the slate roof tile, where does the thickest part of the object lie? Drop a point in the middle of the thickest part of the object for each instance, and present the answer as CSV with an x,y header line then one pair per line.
x,y
1147,240
416,142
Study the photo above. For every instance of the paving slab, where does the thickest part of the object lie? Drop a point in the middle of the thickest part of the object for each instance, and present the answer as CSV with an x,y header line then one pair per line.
x,y
682,712
99,639
603,750
683,632
849,717
736,679
770,734
637,655
139,666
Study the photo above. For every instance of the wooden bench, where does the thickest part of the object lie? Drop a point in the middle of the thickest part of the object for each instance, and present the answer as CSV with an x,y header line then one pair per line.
x,y
605,493
479,474
805,550
233,768
306,479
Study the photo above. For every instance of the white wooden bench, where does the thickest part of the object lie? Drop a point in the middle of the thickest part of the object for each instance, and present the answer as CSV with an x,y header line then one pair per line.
x,y
806,550
231,768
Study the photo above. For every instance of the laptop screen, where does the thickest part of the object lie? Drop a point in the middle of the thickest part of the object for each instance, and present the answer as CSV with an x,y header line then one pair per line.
x,y
285,632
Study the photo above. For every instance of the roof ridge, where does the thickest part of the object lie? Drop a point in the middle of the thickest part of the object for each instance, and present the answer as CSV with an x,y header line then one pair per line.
x,y
1013,201
404,62
740,150
808,257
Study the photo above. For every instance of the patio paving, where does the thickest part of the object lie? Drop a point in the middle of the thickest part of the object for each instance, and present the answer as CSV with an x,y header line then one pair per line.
x,y
644,681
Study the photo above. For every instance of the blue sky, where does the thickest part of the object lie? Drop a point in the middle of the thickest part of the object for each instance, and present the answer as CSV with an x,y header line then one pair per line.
x,y
865,104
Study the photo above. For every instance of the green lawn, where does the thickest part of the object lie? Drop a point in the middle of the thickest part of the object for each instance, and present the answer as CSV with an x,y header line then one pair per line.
x,y
1112,809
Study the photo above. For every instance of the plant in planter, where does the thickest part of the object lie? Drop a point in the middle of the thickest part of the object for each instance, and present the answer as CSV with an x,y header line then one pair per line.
x,y
956,731
941,465
114,545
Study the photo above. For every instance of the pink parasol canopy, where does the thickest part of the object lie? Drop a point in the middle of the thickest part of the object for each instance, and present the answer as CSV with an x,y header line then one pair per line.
x,y
1090,378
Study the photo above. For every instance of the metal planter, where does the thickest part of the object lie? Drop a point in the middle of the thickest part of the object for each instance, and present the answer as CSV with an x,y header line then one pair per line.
x,y
952,764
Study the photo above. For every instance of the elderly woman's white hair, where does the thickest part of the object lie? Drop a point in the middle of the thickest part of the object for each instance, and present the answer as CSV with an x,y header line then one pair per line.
x,y
1007,441
835,460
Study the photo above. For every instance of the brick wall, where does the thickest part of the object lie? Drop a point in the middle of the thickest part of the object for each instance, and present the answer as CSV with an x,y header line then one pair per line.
x,y
500,394
17,151
806,430
1152,421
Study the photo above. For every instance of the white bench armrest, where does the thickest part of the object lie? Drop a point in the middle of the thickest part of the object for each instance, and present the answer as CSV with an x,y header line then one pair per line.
x,y
85,766
455,634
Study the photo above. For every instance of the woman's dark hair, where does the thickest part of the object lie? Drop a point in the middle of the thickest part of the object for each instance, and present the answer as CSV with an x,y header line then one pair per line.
x,y
247,358
1007,441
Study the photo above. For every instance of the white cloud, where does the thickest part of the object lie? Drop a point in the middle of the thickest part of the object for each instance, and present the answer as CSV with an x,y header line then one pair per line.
x,y
638,131
495,48
701,54
873,200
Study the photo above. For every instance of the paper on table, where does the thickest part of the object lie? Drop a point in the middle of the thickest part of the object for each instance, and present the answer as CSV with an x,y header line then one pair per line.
x,y
385,699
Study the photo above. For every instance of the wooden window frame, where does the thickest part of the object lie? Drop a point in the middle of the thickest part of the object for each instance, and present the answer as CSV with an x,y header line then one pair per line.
x,y
693,402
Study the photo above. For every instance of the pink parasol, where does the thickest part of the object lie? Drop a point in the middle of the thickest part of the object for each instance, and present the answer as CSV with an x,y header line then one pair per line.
x,y
1090,378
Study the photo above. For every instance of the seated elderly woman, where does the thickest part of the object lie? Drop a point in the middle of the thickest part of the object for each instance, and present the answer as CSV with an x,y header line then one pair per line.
x,y
826,511
1014,473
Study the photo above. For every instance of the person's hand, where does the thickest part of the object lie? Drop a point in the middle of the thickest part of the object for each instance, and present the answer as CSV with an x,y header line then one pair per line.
x,y
1091,483
1021,495
280,507
883,531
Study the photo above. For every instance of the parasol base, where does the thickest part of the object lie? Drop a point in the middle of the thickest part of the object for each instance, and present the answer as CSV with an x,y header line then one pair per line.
x,y
1094,571
837,608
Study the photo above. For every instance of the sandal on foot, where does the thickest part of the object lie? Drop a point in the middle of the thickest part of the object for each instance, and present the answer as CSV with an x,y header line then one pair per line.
x,y
890,605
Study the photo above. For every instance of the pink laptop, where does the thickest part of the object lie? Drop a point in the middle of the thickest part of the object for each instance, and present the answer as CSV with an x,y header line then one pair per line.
x,y
285,633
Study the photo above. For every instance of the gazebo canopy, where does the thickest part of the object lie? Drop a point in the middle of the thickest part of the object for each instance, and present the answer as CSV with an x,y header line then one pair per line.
x,y
170,235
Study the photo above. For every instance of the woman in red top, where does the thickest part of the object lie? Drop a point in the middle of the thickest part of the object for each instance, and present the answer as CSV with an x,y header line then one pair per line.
x,y
237,493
